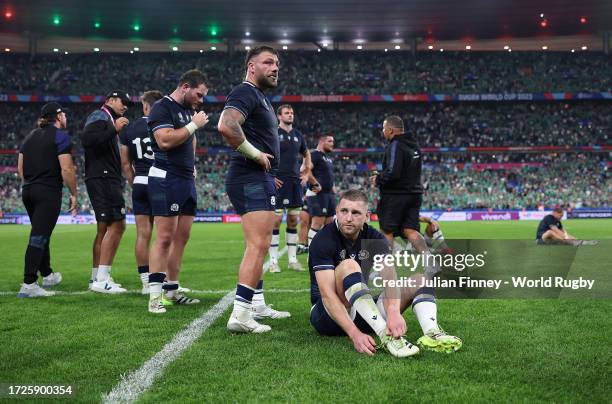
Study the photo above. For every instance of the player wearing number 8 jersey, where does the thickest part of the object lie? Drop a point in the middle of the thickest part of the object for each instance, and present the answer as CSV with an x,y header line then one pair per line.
x,y
136,160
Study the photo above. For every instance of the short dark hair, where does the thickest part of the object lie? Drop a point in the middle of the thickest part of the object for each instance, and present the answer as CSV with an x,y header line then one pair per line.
x,y
193,78
279,110
149,97
395,122
256,51
355,195
322,136
558,209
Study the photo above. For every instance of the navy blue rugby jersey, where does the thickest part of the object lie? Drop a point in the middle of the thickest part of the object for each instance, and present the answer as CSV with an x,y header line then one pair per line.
x,y
260,128
135,137
167,113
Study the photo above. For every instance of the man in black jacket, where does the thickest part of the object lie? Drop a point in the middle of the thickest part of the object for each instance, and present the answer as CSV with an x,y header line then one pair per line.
x,y
401,191
105,186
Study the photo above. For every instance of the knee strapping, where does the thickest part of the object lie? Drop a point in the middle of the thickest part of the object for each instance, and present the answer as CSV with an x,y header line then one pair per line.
x,y
38,241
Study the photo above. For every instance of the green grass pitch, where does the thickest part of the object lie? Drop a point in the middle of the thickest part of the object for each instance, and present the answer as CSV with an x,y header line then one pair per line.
x,y
514,350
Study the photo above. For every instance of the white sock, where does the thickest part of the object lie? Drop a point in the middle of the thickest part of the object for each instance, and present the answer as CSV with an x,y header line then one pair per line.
x,y
427,314
274,247
311,233
292,239
103,273
242,302
259,300
360,298
155,290
94,273
144,277
170,293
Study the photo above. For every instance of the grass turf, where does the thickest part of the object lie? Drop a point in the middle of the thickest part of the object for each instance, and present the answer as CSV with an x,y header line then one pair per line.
x,y
515,350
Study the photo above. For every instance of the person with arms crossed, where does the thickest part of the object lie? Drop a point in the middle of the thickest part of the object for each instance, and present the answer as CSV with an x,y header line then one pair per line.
x,y
44,162
105,186
292,146
248,124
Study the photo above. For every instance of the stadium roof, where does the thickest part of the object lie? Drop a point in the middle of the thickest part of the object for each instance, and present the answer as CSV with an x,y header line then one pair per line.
x,y
305,21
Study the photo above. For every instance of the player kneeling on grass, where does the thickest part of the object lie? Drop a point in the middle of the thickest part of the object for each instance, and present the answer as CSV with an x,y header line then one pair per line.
x,y
342,302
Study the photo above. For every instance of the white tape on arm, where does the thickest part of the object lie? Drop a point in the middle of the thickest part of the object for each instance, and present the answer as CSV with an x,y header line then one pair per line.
x,y
191,128
248,150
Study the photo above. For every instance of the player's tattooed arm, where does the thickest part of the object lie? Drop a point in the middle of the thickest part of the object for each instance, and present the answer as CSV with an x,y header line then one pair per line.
x,y
230,126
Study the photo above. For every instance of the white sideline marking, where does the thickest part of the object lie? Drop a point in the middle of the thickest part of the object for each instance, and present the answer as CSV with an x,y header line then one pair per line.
x,y
134,384
137,292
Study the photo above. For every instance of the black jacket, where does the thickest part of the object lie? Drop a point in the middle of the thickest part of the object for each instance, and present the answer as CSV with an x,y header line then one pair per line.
x,y
100,142
401,167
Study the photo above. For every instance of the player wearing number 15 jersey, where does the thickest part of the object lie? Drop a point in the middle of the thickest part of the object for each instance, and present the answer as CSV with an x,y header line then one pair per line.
x,y
136,159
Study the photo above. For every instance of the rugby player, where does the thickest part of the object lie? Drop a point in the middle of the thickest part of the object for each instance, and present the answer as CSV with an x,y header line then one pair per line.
x,y
173,122
322,205
136,160
292,146
248,124
340,258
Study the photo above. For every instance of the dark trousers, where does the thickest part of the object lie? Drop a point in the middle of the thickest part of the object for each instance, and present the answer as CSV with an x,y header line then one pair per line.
x,y
43,204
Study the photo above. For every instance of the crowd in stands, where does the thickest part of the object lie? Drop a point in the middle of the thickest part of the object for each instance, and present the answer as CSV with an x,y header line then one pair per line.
x,y
358,125
453,181
307,72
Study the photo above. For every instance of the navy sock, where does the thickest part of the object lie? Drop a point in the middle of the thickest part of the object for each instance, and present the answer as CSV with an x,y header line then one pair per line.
x,y
244,293
157,277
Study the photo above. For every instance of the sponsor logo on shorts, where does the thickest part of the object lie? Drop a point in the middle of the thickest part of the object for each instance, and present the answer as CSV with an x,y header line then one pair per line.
x,y
286,201
123,211
174,207
324,210
342,254
273,201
